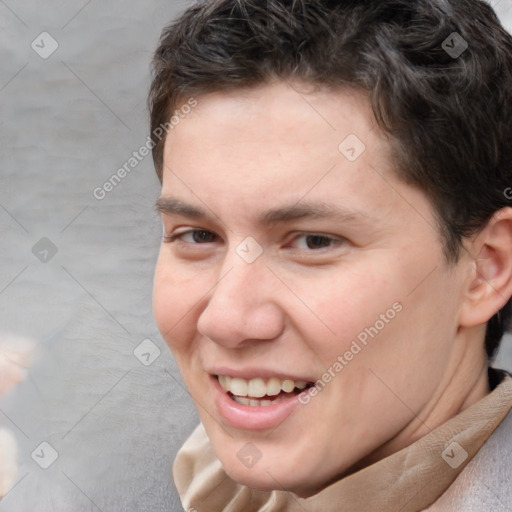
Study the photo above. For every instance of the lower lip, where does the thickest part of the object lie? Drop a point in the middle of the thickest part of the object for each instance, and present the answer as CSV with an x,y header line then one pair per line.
x,y
252,417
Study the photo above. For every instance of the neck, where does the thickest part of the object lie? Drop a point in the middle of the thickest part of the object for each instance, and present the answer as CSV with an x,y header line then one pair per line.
x,y
465,383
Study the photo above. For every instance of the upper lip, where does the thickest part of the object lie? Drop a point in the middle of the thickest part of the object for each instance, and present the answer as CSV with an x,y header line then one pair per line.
x,y
254,373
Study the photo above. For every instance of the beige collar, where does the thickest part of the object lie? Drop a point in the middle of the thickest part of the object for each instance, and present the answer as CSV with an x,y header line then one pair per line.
x,y
407,481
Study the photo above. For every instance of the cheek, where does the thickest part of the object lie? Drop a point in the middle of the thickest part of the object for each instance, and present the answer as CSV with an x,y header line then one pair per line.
x,y
174,298
342,306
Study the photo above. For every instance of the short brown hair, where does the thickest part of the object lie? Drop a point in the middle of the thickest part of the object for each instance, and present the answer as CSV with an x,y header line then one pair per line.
x,y
438,72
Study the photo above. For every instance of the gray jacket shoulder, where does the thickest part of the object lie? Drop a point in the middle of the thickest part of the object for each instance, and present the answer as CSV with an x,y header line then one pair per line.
x,y
486,482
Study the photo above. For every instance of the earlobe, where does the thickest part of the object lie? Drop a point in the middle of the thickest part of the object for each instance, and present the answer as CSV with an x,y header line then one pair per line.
x,y
490,283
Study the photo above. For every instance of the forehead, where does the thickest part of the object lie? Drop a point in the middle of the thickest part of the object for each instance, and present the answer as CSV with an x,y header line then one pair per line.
x,y
280,144
283,116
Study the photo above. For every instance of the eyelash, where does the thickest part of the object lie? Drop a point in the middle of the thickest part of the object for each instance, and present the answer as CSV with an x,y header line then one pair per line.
x,y
176,237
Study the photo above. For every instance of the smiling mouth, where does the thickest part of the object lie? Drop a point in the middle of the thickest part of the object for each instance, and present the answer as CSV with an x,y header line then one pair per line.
x,y
261,392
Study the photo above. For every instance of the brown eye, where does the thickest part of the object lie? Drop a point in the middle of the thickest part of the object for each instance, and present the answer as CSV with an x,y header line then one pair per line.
x,y
315,242
192,236
318,241
200,236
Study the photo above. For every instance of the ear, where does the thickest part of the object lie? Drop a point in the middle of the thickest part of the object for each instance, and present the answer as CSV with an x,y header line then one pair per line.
x,y
489,284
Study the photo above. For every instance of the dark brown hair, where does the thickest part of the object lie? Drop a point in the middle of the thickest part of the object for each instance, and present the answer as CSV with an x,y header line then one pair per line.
x,y
438,72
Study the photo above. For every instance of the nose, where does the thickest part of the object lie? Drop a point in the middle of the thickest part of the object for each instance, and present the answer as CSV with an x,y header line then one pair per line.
x,y
242,307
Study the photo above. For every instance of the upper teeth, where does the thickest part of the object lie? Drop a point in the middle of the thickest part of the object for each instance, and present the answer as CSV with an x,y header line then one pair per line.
x,y
258,387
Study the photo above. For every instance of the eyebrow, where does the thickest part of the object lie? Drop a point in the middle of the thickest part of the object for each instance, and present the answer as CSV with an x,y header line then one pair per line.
x,y
171,206
304,210
307,210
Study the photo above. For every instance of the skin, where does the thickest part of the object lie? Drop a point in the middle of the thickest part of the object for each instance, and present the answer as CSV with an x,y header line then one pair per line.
x,y
298,307
15,357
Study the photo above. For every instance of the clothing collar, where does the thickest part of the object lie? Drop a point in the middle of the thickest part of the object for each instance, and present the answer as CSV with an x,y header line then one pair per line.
x,y
409,480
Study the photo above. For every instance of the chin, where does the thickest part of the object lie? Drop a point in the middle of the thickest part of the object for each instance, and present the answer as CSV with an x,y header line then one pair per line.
x,y
261,480
253,478
267,476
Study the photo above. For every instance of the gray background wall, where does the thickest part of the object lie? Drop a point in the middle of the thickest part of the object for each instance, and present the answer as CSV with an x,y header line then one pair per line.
x,y
68,122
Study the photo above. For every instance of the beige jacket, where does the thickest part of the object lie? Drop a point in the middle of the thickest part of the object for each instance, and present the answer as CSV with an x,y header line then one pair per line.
x,y
433,474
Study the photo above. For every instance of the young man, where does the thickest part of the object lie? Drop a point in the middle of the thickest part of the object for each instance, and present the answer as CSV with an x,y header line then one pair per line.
x,y
336,265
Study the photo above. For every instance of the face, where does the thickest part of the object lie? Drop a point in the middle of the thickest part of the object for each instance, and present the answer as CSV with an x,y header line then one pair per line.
x,y
301,286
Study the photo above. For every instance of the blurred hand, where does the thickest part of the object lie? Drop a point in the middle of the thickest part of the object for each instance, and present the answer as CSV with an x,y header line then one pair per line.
x,y
15,357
